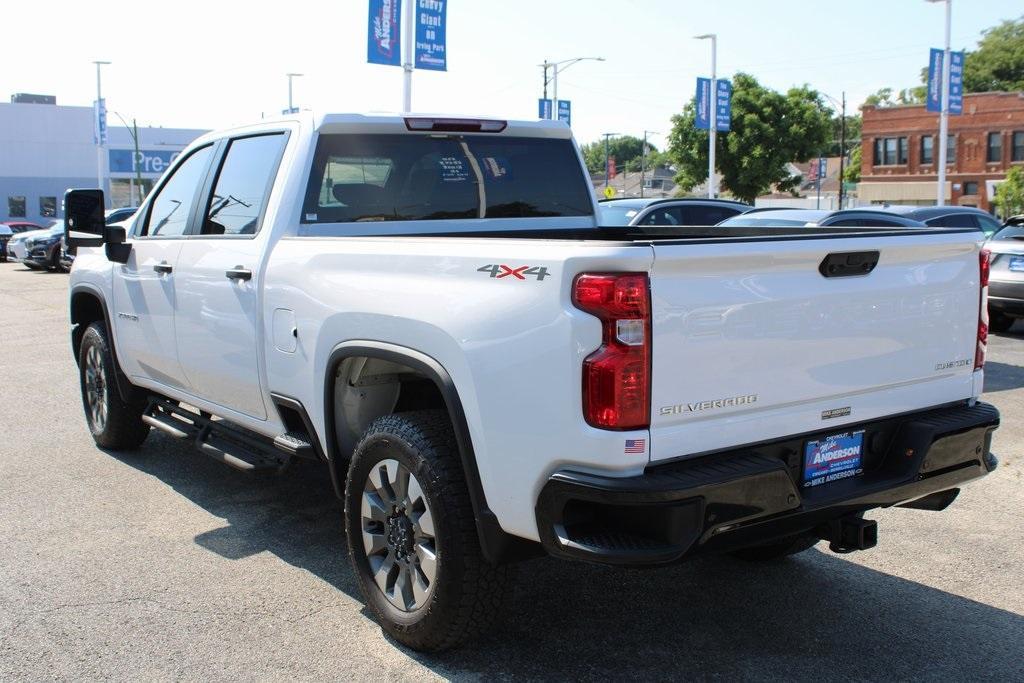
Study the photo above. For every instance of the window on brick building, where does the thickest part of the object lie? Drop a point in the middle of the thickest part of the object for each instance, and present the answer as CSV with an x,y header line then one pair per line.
x,y
994,148
926,149
890,151
971,187
950,149
1017,152
903,151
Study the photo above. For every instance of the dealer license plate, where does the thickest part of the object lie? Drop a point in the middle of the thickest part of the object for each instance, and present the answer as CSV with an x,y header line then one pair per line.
x,y
833,458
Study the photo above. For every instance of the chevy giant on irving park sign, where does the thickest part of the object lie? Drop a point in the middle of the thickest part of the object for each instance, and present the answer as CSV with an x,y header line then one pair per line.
x,y
151,162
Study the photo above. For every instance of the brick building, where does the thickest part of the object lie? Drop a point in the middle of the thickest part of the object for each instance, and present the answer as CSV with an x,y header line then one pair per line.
x,y
898,163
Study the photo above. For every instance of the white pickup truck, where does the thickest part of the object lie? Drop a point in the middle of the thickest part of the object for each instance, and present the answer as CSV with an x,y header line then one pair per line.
x,y
430,308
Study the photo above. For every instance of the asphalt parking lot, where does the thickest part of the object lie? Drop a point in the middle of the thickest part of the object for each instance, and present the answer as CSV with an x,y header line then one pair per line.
x,y
164,564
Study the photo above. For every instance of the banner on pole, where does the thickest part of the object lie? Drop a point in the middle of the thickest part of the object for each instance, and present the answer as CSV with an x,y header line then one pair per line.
x,y
723,105
384,33
565,111
933,100
543,109
431,20
703,110
99,134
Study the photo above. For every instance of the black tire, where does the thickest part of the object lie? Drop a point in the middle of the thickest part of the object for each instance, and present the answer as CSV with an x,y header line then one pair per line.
x,y
1000,322
790,545
118,426
55,260
467,592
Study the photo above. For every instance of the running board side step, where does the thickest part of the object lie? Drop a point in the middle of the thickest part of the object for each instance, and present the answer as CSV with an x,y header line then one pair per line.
x,y
226,443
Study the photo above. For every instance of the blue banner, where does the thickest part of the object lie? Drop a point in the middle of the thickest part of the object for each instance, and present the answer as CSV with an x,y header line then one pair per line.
x,y
933,100
431,20
723,105
543,109
152,162
565,111
703,104
956,82
99,133
384,33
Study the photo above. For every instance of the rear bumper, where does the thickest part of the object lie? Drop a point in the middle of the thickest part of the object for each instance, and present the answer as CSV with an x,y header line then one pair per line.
x,y
752,495
1006,297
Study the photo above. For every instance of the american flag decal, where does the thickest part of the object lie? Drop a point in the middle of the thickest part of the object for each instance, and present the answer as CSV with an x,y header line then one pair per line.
x,y
636,445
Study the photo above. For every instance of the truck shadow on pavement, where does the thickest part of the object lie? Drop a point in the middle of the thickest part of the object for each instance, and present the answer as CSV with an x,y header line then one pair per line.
x,y
1003,376
813,615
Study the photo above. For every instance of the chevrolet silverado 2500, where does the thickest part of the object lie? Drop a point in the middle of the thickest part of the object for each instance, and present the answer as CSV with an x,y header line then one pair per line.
x,y
430,308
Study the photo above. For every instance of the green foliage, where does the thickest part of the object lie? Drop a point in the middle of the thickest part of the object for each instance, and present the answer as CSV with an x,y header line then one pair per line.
x,y
769,130
887,97
626,150
1010,193
998,63
853,126
851,173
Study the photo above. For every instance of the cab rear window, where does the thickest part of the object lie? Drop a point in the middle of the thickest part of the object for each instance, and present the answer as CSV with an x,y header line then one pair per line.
x,y
363,178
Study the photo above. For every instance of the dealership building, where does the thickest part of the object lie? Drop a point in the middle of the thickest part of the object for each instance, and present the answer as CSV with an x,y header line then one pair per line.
x,y
46,149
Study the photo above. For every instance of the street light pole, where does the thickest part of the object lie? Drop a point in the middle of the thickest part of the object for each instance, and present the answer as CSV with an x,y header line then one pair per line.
x,y
291,109
643,158
555,68
607,136
407,50
944,115
99,138
713,113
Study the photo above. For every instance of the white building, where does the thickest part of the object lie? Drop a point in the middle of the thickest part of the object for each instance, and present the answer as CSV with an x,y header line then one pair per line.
x,y
46,149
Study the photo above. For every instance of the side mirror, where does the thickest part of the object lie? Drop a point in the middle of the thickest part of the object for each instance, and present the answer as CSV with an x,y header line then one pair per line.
x,y
83,218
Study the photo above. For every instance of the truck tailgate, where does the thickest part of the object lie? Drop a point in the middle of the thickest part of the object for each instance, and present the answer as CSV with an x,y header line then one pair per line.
x,y
751,342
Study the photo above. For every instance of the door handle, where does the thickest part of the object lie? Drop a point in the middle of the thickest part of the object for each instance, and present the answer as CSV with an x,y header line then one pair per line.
x,y
163,267
238,273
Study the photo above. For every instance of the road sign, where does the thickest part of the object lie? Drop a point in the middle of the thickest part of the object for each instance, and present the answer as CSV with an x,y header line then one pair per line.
x,y
543,109
384,31
565,111
431,43
609,192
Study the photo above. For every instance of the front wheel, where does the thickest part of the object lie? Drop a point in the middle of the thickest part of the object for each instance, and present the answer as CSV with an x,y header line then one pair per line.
x,y
412,537
113,422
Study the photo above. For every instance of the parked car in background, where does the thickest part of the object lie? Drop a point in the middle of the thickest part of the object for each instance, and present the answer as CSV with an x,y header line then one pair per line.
x,y
5,234
947,216
43,248
778,217
18,227
117,215
668,211
1006,276
16,247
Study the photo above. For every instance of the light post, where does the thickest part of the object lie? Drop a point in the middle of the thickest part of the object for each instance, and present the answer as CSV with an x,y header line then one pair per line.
x,y
713,113
842,139
408,31
944,115
99,132
291,109
643,158
556,67
607,137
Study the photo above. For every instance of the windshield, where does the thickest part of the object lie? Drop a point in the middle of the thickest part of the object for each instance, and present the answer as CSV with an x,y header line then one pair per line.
x,y
359,178
1010,232
744,221
616,215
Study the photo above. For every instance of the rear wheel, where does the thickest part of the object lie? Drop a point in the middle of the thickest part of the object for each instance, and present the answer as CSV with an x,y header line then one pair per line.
x,y
113,422
1000,322
791,545
412,536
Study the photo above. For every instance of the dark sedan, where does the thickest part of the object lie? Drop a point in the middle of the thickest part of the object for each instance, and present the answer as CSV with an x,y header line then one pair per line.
x,y
683,211
946,216
43,251
774,217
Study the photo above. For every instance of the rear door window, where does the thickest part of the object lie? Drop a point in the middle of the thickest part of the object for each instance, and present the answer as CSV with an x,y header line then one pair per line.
x,y
707,215
364,178
242,185
954,220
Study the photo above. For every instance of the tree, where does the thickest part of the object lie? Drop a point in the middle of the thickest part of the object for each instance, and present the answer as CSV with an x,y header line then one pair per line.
x,y
1010,193
851,173
998,63
887,97
768,130
625,149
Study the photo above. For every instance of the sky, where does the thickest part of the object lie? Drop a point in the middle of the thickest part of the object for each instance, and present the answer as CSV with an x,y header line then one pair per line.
x,y
215,64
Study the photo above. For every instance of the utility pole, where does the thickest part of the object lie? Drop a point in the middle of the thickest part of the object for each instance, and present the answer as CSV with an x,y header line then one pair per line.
x,y
713,113
291,109
138,169
99,132
842,148
944,115
607,136
643,158
407,41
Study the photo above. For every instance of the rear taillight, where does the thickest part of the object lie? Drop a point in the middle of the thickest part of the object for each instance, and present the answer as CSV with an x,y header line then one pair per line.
x,y
984,258
617,377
